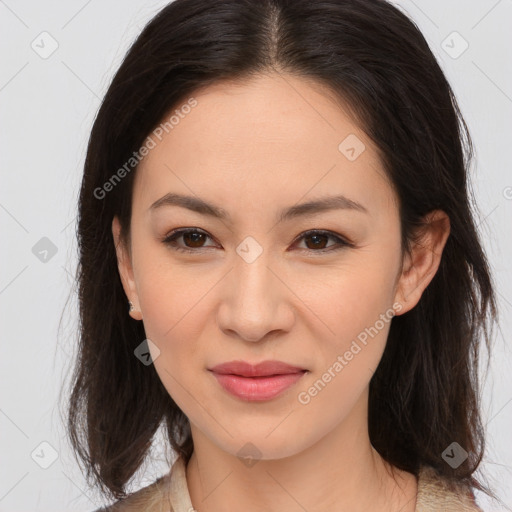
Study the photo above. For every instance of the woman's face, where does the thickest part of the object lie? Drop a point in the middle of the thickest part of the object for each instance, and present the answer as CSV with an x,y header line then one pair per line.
x,y
253,287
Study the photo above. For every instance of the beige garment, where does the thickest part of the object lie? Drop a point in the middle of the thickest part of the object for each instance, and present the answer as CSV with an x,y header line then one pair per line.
x,y
170,494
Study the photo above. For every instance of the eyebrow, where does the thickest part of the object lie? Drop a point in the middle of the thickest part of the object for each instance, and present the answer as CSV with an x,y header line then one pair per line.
x,y
202,207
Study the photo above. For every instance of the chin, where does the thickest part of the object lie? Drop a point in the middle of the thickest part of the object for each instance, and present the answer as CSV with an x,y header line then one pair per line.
x,y
255,444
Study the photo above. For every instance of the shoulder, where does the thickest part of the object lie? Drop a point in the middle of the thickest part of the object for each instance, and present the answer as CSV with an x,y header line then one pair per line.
x,y
438,493
152,498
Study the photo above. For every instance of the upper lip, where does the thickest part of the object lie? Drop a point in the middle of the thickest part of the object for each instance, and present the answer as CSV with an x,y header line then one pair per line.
x,y
265,368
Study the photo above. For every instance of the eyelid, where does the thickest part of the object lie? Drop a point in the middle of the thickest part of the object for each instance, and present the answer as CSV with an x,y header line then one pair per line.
x,y
342,241
176,233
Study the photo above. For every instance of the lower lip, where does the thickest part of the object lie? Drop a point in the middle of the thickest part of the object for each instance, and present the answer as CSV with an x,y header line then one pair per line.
x,y
257,389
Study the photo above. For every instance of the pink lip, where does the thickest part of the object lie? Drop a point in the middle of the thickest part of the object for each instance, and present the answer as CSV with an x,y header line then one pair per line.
x,y
260,382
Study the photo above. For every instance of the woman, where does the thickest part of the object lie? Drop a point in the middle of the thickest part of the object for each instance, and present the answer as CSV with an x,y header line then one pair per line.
x,y
279,189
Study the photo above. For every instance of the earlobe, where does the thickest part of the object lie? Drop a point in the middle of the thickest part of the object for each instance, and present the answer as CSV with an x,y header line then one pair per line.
x,y
422,263
124,266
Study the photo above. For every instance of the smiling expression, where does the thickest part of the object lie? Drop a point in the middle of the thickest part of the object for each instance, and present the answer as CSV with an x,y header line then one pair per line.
x,y
289,249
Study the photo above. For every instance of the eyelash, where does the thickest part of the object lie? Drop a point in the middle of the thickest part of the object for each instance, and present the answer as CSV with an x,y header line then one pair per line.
x,y
170,240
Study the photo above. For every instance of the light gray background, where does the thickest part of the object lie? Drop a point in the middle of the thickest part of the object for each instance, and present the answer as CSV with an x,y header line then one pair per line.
x,y
47,109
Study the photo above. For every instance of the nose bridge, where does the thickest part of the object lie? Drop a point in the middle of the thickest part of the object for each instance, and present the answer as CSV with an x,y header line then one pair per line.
x,y
253,276
255,299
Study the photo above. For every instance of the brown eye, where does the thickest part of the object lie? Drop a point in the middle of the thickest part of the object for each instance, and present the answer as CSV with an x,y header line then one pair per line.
x,y
192,239
316,241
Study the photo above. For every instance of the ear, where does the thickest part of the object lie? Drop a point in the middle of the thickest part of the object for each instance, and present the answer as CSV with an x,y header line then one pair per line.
x,y
125,270
420,266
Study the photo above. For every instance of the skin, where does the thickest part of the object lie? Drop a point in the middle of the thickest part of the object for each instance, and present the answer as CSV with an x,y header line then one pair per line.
x,y
254,148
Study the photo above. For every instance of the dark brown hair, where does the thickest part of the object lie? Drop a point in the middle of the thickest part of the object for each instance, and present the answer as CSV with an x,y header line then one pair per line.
x,y
424,394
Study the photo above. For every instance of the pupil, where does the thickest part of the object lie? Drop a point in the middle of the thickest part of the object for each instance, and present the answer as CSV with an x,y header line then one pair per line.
x,y
195,237
316,238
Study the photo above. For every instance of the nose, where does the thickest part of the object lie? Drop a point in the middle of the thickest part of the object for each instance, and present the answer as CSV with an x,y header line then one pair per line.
x,y
256,301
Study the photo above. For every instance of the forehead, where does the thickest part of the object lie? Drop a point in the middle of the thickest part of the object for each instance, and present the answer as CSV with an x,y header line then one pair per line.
x,y
273,138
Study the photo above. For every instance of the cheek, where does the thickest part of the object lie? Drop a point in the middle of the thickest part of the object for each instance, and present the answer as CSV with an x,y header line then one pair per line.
x,y
171,304
173,317
355,295
176,302
345,363
356,305
167,290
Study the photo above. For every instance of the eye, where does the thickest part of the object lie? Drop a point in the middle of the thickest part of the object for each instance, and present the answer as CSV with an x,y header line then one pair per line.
x,y
194,238
318,238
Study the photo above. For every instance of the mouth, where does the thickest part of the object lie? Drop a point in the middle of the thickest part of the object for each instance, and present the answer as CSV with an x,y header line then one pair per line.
x,y
257,383
263,369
